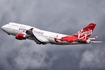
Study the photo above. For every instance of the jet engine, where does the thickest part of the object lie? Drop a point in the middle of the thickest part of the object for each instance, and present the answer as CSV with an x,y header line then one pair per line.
x,y
20,36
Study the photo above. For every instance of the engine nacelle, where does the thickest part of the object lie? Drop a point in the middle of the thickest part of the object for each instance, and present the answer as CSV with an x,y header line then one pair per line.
x,y
20,36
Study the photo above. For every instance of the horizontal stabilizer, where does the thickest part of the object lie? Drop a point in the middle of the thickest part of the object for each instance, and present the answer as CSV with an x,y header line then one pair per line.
x,y
96,42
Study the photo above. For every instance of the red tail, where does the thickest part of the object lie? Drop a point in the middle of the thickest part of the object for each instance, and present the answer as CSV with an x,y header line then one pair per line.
x,y
86,32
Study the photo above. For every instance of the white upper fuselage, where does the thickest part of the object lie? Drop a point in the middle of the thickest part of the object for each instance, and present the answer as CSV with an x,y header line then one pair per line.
x,y
15,28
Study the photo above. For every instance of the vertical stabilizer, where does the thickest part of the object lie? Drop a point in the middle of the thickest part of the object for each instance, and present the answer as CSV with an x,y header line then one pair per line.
x,y
86,32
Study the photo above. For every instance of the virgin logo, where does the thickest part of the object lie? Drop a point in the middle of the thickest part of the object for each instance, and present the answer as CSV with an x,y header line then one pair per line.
x,y
89,32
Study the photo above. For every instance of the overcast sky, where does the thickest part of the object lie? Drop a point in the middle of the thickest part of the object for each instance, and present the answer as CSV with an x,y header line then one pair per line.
x,y
63,16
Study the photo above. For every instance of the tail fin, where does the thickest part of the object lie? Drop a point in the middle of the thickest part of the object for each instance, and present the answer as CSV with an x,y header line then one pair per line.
x,y
86,32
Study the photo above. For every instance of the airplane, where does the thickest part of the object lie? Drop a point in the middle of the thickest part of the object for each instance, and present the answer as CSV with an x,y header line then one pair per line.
x,y
23,32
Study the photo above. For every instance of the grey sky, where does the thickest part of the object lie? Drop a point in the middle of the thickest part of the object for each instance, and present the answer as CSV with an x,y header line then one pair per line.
x,y
63,16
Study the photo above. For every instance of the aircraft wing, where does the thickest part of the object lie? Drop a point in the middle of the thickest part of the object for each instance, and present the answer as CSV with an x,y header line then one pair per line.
x,y
37,36
31,34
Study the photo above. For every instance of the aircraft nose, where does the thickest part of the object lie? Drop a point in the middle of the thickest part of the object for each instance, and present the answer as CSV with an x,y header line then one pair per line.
x,y
4,27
